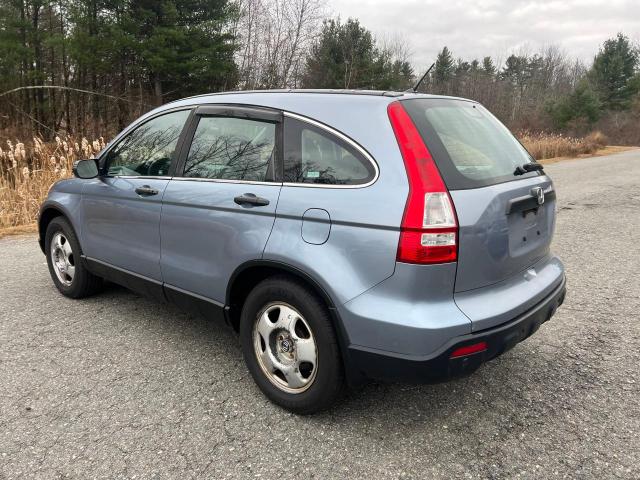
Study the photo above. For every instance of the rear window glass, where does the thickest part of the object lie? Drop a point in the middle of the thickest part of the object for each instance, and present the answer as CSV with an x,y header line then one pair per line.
x,y
470,146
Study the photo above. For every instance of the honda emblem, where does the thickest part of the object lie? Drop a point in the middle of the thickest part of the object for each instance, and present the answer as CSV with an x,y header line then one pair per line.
x,y
538,192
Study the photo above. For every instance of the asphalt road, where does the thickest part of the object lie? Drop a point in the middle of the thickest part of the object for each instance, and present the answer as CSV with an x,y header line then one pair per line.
x,y
118,386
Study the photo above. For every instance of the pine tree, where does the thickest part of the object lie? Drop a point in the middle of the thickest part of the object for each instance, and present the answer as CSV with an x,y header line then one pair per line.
x,y
488,66
515,70
346,56
343,57
444,69
183,47
613,68
582,105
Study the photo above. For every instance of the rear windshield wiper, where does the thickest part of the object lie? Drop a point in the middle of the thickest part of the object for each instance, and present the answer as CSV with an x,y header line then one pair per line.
x,y
528,167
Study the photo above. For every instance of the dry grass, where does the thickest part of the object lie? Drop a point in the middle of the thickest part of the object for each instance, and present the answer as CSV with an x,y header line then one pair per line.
x,y
28,171
19,230
552,145
608,150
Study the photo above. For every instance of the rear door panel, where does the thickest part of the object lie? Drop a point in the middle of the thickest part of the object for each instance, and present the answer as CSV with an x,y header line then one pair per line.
x,y
206,235
205,232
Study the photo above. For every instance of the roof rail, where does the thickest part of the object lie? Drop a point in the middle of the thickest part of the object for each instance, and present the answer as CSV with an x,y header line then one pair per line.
x,y
382,93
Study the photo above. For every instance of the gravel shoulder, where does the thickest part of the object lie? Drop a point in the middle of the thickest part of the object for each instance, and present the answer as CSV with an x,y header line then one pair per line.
x,y
118,386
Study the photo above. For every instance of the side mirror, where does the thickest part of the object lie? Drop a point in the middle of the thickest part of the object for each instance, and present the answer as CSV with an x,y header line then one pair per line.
x,y
86,168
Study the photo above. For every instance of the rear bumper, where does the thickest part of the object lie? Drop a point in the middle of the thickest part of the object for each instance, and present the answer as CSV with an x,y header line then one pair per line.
x,y
439,366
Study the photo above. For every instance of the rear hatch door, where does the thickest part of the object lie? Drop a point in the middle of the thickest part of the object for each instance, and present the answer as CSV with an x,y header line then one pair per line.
x,y
503,230
506,221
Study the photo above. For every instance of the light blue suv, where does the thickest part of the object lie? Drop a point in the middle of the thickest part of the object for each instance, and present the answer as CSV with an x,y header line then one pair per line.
x,y
344,235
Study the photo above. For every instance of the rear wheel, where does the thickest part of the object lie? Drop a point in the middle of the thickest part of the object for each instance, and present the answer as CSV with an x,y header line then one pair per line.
x,y
68,273
290,346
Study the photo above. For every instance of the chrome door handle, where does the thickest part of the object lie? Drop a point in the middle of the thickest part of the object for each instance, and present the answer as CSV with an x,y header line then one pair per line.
x,y
251,199
146,191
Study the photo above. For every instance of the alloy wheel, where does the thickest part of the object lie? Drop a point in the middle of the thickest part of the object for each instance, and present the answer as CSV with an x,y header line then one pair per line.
x,y
285,348
62,258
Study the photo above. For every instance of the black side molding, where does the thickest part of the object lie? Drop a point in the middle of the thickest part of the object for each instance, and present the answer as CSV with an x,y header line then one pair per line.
x,y
133,281
162,292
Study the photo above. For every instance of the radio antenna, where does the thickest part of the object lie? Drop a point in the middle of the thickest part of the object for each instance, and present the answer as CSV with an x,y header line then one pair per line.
x,y
414,89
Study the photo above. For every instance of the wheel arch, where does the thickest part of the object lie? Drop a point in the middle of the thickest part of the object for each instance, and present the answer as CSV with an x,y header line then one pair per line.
x,y
48,213
249,274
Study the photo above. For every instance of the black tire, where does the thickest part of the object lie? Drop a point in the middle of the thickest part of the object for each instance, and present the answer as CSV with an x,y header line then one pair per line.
x,y
328,380
83,283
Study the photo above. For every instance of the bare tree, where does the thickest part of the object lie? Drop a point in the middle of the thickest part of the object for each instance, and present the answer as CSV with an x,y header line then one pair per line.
x,y
396,46
275,36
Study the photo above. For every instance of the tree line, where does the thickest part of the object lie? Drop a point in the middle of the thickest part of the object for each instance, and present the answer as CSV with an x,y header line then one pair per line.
x,y
548,90
130,54
112,60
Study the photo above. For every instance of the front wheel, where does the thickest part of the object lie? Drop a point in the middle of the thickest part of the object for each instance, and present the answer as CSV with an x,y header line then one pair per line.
x,y
64,259
290,346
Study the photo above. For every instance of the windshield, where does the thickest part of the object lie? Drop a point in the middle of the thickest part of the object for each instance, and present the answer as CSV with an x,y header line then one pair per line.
x,y
470,146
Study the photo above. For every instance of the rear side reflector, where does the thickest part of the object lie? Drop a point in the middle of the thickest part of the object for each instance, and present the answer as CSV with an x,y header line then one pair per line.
x,y
469,350
429,230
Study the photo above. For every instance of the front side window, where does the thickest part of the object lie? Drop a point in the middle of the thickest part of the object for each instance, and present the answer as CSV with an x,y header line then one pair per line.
x,y
313,155
148,150
228,148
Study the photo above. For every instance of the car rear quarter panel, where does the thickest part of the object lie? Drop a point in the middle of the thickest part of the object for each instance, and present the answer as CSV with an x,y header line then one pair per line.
x,y
411,314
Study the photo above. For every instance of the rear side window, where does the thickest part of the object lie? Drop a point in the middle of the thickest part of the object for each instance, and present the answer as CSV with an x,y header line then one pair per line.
x,y
470,146
229,148
315,156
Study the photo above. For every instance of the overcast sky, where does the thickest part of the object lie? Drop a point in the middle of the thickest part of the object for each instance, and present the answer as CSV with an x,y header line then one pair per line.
x,y
475,28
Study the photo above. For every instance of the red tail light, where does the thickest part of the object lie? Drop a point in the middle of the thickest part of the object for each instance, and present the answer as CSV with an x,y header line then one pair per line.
x,y
429,230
